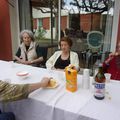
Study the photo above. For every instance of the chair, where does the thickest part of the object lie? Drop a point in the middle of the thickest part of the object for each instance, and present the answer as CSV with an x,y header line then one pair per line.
x,y
43,50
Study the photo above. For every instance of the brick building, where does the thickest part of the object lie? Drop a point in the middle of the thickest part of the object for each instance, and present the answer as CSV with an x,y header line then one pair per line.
x,y
86,21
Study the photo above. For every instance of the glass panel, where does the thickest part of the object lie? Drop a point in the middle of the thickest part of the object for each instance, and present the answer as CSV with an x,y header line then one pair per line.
x,y
79,20
44,23
89,21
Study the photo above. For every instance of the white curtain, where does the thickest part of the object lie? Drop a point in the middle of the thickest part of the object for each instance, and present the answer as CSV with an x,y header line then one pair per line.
x,y
108,30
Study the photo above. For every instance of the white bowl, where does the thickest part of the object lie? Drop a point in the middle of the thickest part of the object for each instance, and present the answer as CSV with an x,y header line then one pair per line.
x,y
22,74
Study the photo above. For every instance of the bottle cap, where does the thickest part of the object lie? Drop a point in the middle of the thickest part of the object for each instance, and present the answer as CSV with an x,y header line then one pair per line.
x,y
100,65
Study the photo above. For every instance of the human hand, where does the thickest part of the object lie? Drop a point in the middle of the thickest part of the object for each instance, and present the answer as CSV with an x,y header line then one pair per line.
x,y
26,62
111,56
22,61
44,82
72,66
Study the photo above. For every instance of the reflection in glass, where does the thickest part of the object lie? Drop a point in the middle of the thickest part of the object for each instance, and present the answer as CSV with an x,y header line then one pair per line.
x,y
78,18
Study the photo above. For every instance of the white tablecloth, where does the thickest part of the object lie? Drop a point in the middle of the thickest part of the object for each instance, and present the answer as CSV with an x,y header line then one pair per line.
x,y
58,103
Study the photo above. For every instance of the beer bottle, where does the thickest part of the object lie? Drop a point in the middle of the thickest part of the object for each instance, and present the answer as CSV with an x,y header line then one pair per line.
x,y
99,92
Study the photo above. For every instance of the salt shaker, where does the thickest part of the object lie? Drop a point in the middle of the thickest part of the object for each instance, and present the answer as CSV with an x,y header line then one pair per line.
x,y
86,79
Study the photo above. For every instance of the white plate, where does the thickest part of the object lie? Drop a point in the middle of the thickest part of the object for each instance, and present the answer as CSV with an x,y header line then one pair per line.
x,y
22,74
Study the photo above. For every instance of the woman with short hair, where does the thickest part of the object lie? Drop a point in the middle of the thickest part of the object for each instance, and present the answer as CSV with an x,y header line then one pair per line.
x,y
64,57
28,52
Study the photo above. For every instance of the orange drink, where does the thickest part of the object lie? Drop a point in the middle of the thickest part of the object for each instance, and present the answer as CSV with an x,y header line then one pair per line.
x,y
71,79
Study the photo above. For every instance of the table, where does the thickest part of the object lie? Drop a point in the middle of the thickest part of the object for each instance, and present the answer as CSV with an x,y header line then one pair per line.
x,y
59,104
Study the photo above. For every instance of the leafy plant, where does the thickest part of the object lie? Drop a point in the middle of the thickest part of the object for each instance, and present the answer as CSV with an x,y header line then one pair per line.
x,y
40,34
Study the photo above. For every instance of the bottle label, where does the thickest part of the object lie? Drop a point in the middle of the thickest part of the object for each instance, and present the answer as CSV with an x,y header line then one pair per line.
x,y
99,90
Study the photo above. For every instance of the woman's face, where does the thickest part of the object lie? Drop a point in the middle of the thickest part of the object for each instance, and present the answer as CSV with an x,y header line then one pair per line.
x,y
65,46
26,39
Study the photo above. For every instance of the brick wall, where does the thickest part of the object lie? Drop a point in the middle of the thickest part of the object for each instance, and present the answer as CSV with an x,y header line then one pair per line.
x,y
96,21
63,22
35,23
46,23
86,22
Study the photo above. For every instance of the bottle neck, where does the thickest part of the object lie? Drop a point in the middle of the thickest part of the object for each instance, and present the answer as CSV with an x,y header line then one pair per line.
x,y
100,69
100,75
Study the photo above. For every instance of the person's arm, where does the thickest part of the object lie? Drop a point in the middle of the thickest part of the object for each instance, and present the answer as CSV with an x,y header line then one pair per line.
x,y
107,62
38,60
19,60
39,56
51,61
13,92
44,82
17,57
111,56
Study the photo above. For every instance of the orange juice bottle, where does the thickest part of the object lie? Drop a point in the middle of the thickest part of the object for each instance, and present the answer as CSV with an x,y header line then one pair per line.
x,y
71,79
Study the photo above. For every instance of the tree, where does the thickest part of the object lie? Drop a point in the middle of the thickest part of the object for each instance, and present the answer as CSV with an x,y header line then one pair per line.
x,y
40,34
91,6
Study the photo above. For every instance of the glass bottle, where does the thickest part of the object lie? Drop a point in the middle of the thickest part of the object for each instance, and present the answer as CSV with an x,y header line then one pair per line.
x,y
99,90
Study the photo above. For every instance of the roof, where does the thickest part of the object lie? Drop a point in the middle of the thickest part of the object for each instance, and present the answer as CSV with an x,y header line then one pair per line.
x,y
41,3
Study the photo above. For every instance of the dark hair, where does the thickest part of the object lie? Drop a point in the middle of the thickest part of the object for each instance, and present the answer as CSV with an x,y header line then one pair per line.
x,y
66,31
62,33
66,39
